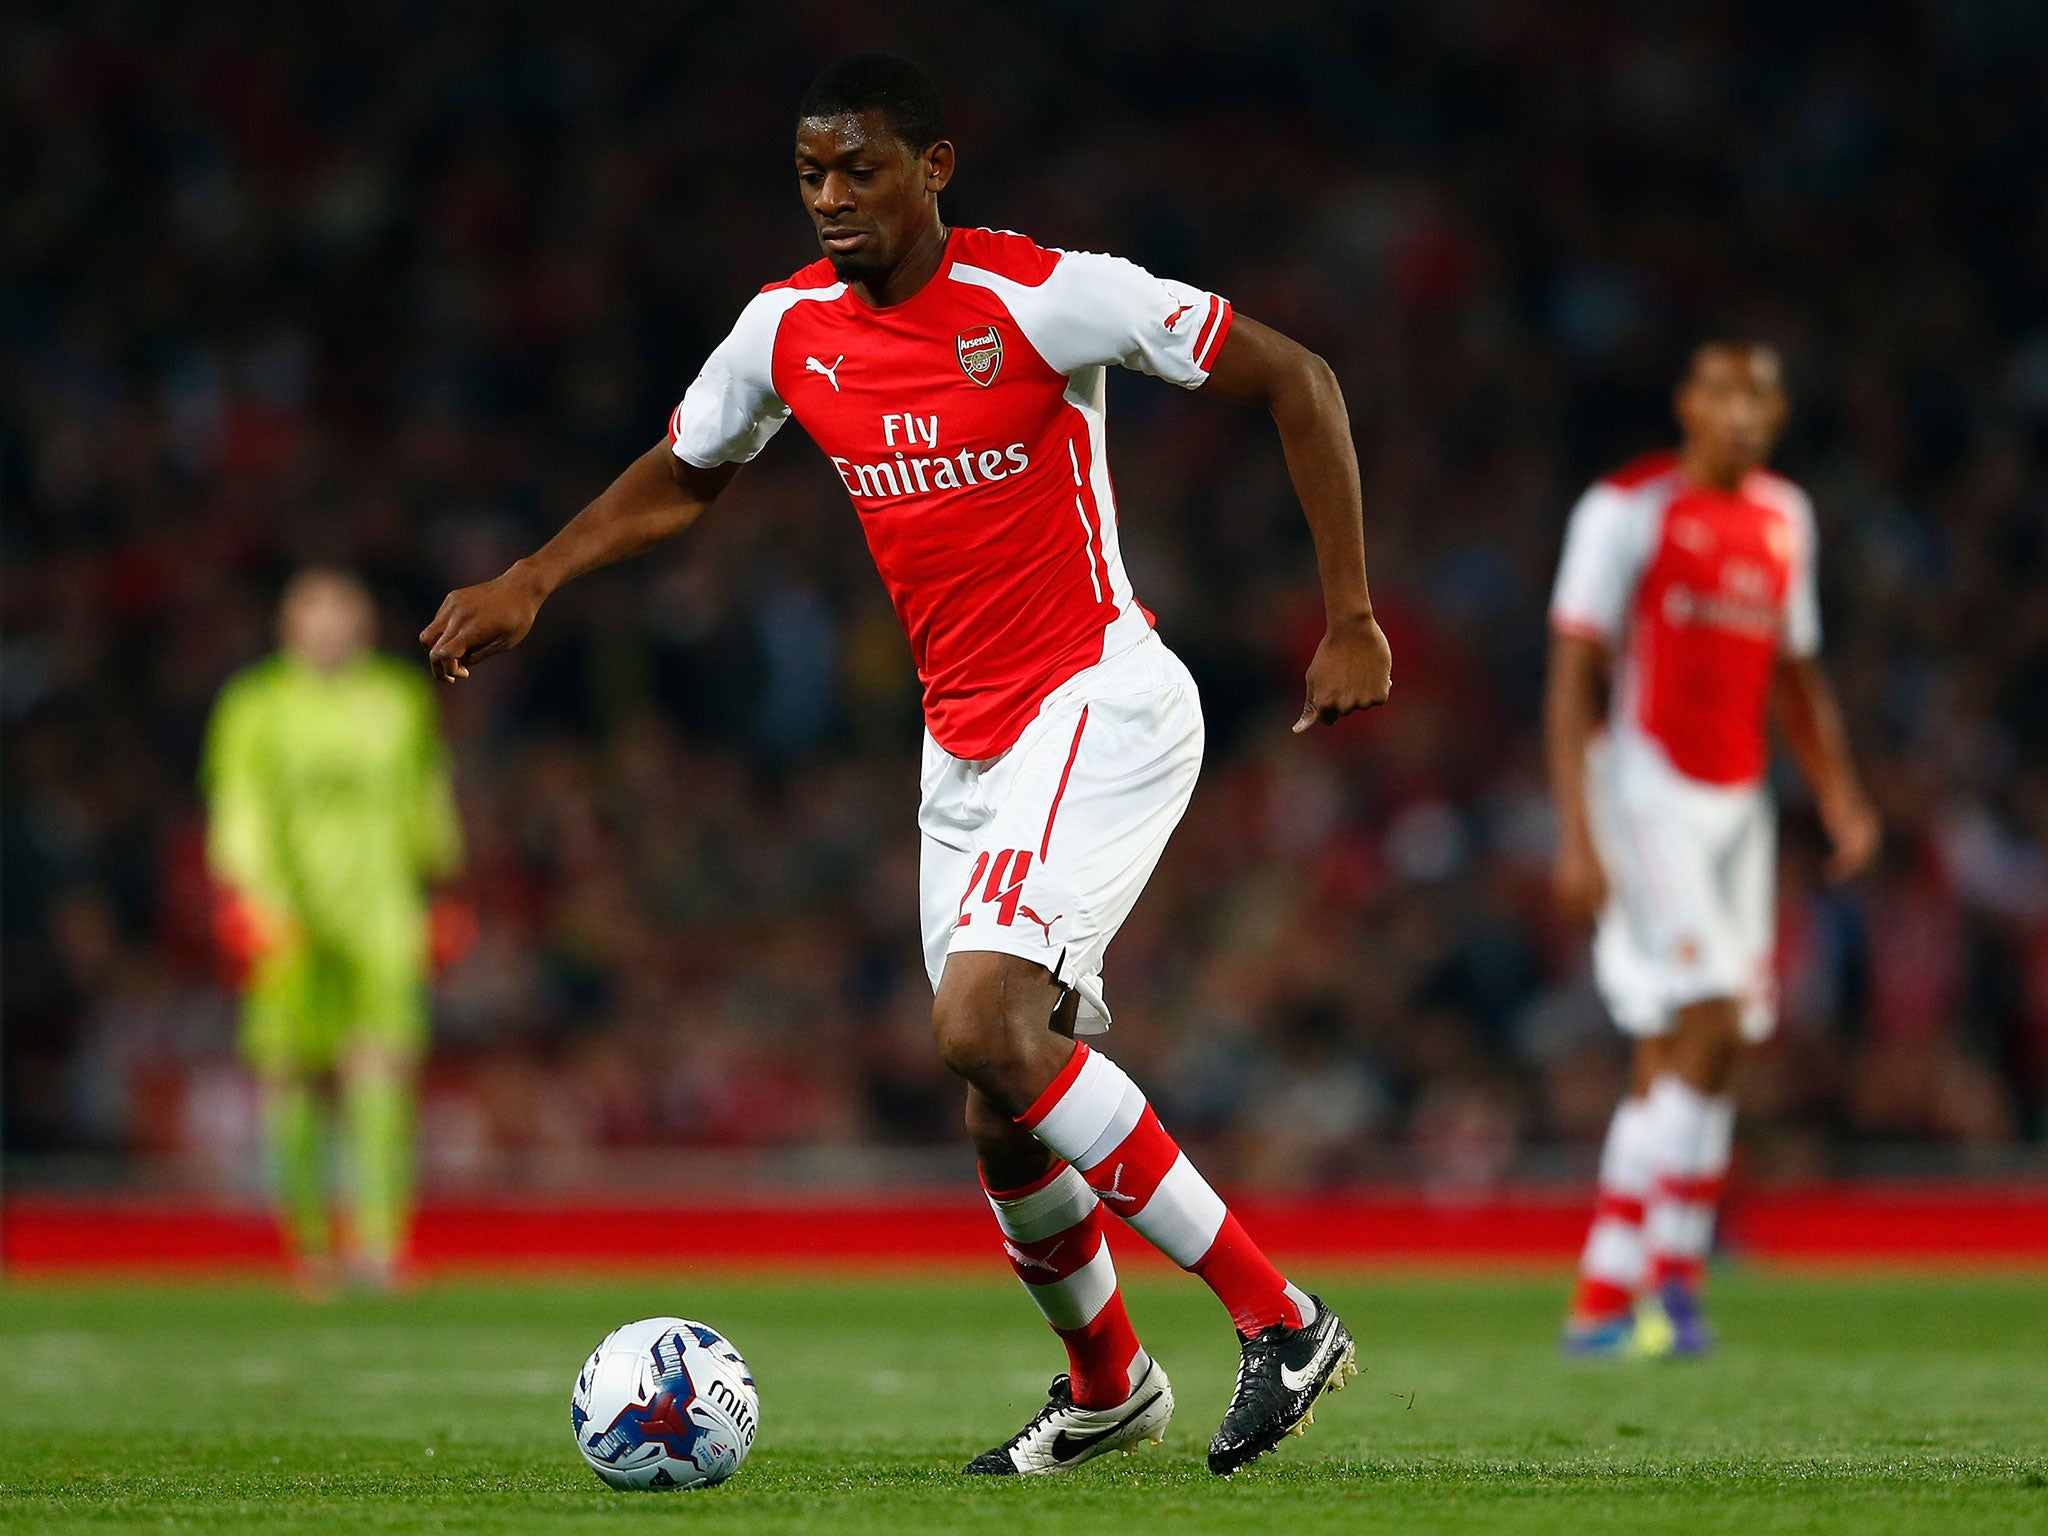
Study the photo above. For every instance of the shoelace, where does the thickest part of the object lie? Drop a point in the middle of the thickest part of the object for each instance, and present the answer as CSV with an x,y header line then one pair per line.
x,y
1059,1399
1254,1353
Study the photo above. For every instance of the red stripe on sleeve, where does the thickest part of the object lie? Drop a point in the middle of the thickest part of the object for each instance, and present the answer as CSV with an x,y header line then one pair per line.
x,y
1205,359
1208,322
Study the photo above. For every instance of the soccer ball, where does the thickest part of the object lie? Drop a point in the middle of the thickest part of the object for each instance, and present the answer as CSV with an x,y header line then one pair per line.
x,y
665,1403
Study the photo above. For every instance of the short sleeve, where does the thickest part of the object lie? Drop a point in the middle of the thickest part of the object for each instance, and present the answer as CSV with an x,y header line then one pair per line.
x,y
731,410
1604,552
1093,310
1802,591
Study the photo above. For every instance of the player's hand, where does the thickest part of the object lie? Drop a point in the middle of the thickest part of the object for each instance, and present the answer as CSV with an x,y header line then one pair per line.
x,y
1578,877
1854,830
1353,669
245,930
481,621
452,932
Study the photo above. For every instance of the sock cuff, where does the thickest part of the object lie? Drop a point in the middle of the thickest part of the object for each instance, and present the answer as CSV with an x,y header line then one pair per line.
x,y
1086,1117
1691,1130
1001,1197
1626,1156
1672,1096
1063,1201
1717,1140
1056,1090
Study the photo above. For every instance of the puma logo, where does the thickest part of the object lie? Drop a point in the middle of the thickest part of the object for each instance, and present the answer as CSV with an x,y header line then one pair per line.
x,y
1025,1260
1043,922
1115,1190
812,365
1174,319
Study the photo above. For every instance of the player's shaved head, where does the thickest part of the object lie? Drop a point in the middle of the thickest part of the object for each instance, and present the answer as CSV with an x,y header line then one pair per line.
x,y
897,88
871,160
1730,406
326,618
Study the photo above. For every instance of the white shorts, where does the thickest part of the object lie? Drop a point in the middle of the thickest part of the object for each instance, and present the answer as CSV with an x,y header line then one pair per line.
x,y
1041,853
1692,875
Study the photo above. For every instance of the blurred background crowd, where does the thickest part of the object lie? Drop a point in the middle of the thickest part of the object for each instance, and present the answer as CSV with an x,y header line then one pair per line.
x,y
399,285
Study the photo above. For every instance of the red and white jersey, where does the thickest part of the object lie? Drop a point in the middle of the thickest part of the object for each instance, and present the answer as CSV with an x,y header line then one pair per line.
x,y
1696,591
967,425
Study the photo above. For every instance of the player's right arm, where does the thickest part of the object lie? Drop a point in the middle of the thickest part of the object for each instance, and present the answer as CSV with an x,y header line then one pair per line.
x,y
1604,552
1574,703
727,417
657,497
252,910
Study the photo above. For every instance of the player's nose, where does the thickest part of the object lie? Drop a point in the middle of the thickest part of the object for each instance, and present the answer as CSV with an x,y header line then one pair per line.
x,y
834,194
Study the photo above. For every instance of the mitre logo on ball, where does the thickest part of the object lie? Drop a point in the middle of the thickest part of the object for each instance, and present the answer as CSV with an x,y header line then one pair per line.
x,y
981,354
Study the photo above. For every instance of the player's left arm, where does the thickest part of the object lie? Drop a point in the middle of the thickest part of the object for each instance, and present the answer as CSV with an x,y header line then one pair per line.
x,y
1353,667
1810,719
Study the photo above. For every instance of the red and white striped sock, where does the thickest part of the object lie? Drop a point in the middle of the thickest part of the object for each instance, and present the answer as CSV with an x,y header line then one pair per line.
x,y
1094,1116
1052,1231
1614,1262
1691,1134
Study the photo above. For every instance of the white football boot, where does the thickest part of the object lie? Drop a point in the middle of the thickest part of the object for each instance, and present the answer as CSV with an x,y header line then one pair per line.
x,y
1061,1436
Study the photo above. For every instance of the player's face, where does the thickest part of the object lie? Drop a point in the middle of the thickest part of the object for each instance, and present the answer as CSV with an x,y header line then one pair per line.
x,y
869,194
1732,406
326,619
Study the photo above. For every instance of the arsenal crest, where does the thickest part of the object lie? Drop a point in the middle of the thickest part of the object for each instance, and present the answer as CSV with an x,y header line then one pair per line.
x,y
981,354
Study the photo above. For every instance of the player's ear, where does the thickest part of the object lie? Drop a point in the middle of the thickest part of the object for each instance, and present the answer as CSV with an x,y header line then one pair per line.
x,y
938,166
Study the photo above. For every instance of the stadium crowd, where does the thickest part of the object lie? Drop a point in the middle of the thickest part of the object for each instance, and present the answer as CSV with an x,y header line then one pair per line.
x,y
398,286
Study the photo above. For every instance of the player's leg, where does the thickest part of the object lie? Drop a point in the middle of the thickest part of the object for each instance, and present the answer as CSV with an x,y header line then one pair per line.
x,y
295,1143
1629,968
279,1026
1052,1228
1692,1106
1049,1220
378,1071
1001,1038
991,1021
1614,1264
1082,808
1690,1123
377,1097
989,1018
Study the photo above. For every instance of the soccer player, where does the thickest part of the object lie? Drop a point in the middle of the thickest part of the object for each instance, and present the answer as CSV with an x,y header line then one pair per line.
x,y
954,379
1684,618
330,808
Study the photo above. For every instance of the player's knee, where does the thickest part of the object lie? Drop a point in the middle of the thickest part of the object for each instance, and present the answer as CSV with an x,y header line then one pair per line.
x,y
971,1032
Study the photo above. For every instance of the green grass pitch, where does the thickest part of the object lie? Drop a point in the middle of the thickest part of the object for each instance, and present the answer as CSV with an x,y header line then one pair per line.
x,y
1864,1406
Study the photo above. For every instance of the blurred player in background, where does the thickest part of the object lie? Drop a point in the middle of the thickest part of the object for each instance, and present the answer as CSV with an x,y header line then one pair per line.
x,y
954,378
1685,618
330,811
